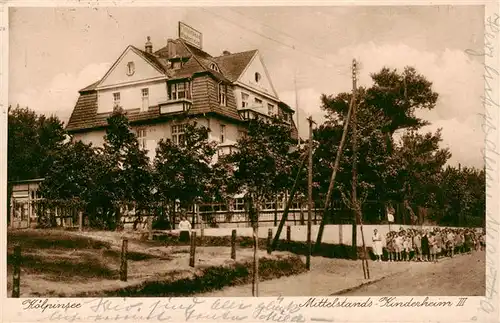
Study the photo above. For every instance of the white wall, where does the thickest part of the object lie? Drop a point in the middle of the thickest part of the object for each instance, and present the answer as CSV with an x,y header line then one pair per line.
x,y
231,136
158,131
96,137
118,74
252,96
248,77
131,96
333,233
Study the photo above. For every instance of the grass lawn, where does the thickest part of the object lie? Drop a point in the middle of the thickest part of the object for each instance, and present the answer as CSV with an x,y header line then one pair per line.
x,y
58,263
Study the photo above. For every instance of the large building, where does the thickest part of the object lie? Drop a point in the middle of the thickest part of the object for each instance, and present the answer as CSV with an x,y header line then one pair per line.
x,y
160,90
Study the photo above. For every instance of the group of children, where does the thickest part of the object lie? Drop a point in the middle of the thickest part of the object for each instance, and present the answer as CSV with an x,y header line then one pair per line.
x,y
428,245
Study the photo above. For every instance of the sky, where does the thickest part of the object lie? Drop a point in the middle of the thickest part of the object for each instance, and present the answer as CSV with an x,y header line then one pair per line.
x,y
308,51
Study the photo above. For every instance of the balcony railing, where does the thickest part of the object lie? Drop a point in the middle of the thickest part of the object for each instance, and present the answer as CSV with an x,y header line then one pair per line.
x,y
226,149
175,106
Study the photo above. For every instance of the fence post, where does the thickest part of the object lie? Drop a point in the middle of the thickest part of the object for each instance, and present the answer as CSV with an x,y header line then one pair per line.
x,y
269,240
354,240
233,244
123,265
288,233
17,272
80,220
192,250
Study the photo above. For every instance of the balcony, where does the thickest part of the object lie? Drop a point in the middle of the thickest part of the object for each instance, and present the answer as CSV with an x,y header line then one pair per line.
x,y
175,106
226,149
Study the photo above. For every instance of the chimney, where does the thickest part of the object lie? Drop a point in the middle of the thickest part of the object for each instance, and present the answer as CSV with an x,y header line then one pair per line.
x,y
171,48
226,52
149,46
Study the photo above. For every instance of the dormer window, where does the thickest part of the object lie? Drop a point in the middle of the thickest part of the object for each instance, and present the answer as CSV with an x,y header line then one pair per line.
x,y
258,77
222,94
214,67
130,68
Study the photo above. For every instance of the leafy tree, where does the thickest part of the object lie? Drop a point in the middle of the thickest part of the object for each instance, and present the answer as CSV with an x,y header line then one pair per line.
x,y
73,174
372,157
129,174
399,95
419,161
73,180
33,143
461,198
186,171
262,166
387,106
264,160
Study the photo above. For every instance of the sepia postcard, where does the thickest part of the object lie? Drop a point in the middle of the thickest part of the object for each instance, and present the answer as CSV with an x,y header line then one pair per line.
x,y
254,162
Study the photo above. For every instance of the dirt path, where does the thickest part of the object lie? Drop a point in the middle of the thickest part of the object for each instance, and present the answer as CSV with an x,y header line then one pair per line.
x,y
327,276
463,275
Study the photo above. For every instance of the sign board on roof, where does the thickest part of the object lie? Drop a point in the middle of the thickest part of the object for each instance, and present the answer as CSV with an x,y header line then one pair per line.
x,y
190,35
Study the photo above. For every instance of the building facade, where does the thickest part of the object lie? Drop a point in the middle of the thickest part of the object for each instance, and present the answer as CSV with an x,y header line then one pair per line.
x,y
160,91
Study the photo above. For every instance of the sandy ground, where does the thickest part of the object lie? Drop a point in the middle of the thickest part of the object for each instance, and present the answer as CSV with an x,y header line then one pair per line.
x,y
327,276
462,275
162,262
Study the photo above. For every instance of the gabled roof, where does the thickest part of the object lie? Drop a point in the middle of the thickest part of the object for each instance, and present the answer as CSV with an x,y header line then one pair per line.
x,y
196,63
233,65
90,87
153,60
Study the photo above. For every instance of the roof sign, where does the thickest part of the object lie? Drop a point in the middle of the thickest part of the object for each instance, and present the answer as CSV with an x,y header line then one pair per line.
x,y
190,35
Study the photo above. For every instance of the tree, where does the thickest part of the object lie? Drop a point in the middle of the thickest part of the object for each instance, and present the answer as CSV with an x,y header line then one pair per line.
x,y
461,198
389,105
129,174
372,157
33,143
73,179
262,167
419,161
185,171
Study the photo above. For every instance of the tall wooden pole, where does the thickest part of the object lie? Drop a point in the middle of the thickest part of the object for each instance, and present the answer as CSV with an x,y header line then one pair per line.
x,y
309,193
355,204
254,216
17,272
335,168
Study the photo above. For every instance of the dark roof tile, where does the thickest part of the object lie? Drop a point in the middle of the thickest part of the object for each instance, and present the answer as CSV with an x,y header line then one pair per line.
x,y
233,65
85,114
